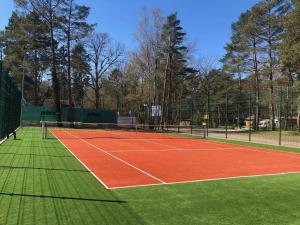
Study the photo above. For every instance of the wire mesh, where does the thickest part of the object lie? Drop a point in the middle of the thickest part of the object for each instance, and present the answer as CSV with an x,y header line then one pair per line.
x,y
10,104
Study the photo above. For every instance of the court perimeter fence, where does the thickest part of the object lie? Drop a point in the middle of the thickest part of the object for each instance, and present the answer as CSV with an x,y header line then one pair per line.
x,y
273,121
10,104
270,119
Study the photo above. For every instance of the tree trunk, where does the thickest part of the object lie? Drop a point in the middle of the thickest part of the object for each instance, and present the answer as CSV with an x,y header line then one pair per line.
x,y
97,97
162,119
208,105
55,80
118,103
35,78
298,118
239,102
169,100
71,104
180,103
155,122
257,89
96,87
287,108
219,116
271,88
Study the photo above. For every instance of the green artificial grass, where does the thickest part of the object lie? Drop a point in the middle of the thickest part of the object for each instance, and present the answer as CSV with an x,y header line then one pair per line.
x,y
265,146
266,132
243,143
42,183
275,133
273,200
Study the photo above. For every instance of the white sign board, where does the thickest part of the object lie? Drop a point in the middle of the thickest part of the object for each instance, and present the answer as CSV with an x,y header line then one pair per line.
x,y
156,110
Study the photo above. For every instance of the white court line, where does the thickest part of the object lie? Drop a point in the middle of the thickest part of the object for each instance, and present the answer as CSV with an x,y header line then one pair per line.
x,y
205,180
272,151
146,140
188,181
5,139
97,178
127,163
174,149
221,141
245,148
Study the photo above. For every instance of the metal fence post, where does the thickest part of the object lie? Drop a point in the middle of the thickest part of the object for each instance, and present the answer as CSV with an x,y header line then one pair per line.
x,y
280,109
226,116
250,117
207,114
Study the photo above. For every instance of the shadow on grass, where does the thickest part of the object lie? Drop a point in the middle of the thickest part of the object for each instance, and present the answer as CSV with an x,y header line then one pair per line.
x,y
39,155
64,197
41,168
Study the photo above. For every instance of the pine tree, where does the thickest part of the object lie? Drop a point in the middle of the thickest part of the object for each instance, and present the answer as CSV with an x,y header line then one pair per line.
x,y
74,27
80,70
48,12
27,47
175,69
290,46
270,23
244,51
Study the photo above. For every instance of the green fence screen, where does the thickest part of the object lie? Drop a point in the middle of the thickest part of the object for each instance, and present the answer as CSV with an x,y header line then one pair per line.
x,y
10,104
40,113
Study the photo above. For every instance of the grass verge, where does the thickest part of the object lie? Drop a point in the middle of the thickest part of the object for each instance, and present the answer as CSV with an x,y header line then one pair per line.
x,y
243,143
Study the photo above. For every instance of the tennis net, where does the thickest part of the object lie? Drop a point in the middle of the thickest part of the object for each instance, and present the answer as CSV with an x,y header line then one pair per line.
x,y
101,130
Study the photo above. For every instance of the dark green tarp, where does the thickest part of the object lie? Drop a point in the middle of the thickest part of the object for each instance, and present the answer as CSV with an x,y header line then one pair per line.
x,y
40,113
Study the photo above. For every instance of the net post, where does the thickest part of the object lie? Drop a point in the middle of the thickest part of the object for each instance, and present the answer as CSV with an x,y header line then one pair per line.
x,y
178,129
46,130
204,130
43,129
191,129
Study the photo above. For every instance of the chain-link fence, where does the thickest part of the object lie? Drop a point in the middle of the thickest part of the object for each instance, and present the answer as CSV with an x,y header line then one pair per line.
x,y
270,116
10,104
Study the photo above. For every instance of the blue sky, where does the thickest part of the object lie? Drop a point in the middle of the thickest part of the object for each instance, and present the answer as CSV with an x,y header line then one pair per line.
x,y
207,22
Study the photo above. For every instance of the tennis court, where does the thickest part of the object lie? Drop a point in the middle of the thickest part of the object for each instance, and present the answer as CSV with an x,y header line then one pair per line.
x,y
121,159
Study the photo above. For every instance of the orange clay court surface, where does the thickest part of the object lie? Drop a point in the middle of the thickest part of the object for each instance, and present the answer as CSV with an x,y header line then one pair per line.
x,y
125,159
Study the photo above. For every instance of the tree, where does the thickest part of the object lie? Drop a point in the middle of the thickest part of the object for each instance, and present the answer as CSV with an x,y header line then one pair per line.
x,y
270,24
245,50
48,12
2,44
74,27
206,75
117,86
147,59
104,54
80,70
290,45
175,63
27,51
234,64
